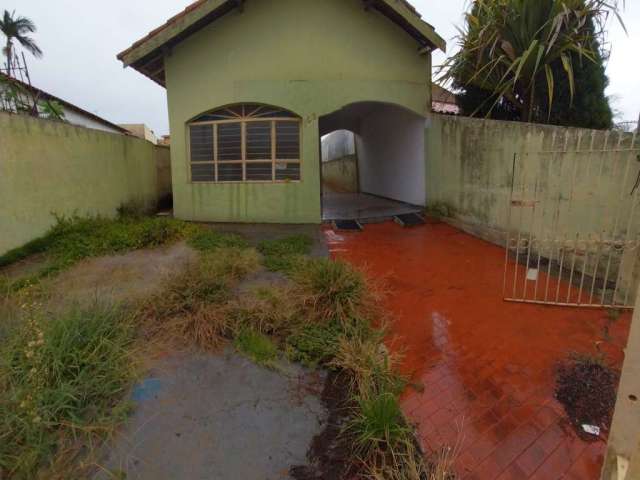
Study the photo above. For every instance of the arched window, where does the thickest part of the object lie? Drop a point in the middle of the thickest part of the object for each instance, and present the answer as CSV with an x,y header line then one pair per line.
x,y
245,143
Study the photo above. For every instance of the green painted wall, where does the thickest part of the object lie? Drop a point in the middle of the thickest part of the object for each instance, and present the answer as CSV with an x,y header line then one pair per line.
x,y
311,57
470,168
52,167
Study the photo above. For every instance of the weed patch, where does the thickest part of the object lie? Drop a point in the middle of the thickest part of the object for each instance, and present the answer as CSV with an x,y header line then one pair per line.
x,y
270,310
314,344
256,346
284,254
74,238
194,305
207,240
59,378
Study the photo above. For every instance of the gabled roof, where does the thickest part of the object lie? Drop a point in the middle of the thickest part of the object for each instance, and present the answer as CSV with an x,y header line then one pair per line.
x,y
46,96
147,54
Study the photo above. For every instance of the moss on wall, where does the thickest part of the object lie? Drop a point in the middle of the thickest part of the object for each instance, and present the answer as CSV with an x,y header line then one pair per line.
x,y
307,56
51,168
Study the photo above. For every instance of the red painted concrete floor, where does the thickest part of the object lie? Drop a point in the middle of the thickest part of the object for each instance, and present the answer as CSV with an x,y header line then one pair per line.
x,y
487,366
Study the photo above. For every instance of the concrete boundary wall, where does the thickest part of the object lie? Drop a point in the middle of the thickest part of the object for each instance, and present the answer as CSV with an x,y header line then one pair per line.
x,y
573,190
469,165
49,167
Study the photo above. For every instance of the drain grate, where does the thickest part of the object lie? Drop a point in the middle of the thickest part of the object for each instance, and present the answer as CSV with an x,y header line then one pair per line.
x,y
348,225
409,220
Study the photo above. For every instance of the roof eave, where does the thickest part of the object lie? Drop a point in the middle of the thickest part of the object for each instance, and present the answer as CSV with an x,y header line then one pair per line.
x,y
147,54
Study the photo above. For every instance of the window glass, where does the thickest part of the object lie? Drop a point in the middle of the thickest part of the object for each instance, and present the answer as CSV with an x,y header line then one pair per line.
x,y
229,141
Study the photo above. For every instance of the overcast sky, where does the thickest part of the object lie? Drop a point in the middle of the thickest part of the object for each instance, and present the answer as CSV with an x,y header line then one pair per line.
x,y
80,40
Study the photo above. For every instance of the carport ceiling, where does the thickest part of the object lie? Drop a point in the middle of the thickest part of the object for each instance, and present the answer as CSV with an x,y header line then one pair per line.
x,y
147,54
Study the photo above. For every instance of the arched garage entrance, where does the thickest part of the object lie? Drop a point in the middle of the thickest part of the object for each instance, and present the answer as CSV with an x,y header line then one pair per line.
x,y
390,162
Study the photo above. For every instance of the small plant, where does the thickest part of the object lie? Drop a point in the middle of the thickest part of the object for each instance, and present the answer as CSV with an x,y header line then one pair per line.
x,y
206,240
314,344
336,291
370,366
59,377
378,426
51,110
284,254
256,346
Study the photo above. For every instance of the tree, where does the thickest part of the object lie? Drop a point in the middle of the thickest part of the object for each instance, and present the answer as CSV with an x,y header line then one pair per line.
x,y
525,60
17,29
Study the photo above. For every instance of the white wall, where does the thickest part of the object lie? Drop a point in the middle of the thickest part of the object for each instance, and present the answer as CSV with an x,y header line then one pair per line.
x,y
338,144
391,154
77,118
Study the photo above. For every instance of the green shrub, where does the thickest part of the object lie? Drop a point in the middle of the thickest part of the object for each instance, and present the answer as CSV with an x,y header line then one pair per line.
x,y
378,425
283,254
206,240
337,291
256,346
58,376
314,344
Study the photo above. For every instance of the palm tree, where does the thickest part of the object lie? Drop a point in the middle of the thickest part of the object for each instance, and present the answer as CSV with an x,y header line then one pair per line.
x,y
510,47
17,29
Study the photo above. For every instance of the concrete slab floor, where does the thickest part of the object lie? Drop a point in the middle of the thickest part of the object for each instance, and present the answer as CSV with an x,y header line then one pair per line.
x,y
361,206
487,366
202,416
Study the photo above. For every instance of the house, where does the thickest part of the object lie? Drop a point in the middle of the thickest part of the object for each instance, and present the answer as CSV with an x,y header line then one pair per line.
x,y
444,101
72,113
140,130
254,84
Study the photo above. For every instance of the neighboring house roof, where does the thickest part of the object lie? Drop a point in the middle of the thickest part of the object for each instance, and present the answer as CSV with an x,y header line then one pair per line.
x,y
444,101
147,54
42,95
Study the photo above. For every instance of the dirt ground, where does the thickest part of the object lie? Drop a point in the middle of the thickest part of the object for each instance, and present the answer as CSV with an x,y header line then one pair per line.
x,y
120,278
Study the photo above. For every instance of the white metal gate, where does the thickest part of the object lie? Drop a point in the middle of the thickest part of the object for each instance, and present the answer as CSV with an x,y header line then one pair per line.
x,y
573,231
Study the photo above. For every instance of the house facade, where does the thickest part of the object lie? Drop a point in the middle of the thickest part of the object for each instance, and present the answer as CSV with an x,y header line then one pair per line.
x,y
253,85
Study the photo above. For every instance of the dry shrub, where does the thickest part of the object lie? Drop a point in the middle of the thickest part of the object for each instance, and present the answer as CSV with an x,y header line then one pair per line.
x,y
336,291
272,310
371,367
193,307
441,465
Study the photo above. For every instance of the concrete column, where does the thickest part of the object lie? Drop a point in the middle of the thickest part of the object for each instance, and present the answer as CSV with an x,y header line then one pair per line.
x,y
623,452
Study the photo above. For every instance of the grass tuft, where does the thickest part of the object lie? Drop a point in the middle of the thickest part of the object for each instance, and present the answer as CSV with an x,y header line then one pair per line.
x,y
58,377
378,425
270,310
336,291
207,240
371,367
283,255
256,346
194,305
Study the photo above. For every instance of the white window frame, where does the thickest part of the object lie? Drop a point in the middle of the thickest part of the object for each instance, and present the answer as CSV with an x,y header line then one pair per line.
x,y
245,118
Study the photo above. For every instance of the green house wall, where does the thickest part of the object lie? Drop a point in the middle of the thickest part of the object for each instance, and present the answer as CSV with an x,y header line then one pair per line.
x,y
308,56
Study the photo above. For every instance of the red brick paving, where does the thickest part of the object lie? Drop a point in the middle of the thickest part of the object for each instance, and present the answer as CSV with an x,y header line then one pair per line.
x,y
487,366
